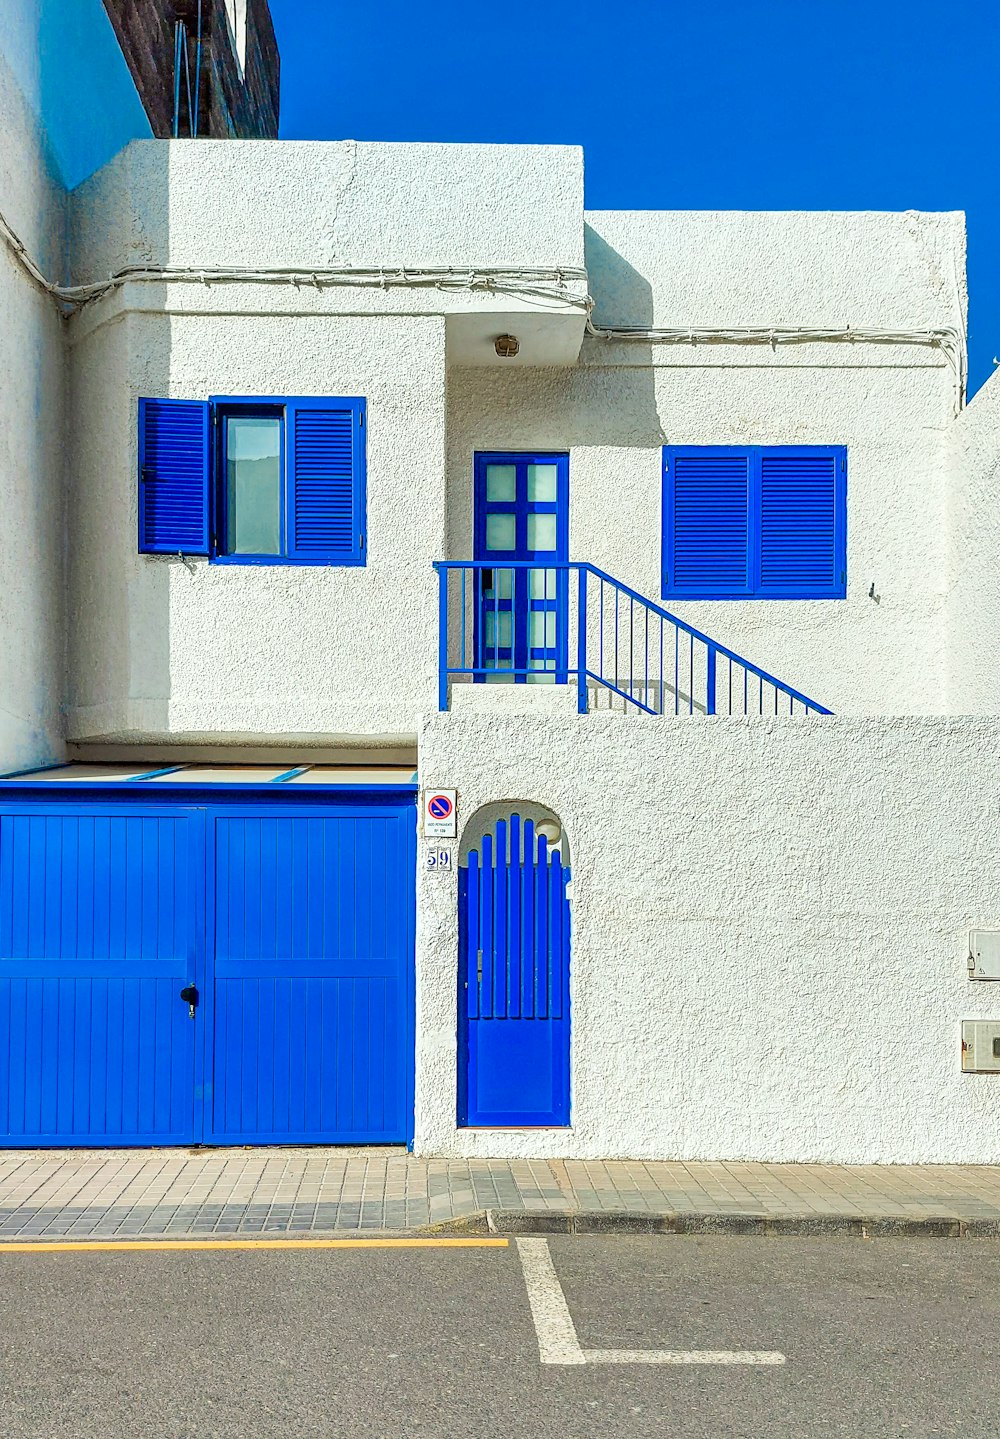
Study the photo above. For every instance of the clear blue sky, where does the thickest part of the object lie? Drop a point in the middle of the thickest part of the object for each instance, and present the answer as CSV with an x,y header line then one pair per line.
x,y
685,104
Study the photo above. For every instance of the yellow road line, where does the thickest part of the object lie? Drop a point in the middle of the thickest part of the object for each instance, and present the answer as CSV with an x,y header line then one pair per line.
x,y
76,1245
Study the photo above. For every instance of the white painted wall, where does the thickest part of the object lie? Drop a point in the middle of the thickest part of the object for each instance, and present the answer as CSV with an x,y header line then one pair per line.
x,y
239,652
158,650
973,466
31,414
769,934
832,269
891,405
327,203
67,102
320,653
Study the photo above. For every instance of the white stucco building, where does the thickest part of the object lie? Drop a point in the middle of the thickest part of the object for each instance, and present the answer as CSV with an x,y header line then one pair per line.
x,y
319,457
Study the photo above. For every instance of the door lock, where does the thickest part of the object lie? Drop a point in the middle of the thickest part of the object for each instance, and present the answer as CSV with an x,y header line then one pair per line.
x,y
189,996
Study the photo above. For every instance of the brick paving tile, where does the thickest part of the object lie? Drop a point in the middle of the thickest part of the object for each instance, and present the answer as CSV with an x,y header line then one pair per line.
x,y
119,1192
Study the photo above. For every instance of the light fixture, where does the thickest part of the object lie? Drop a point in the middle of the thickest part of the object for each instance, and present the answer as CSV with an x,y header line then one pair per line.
x,y
506,346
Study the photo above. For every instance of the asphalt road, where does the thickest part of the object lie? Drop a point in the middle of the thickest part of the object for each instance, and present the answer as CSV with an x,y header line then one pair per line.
x,y
886,1338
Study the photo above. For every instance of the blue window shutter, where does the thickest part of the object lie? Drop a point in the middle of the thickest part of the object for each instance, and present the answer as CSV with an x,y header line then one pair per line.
x,y
707,531
327,480
802,509
173,477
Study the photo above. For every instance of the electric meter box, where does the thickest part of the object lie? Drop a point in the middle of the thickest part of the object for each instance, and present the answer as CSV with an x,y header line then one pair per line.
x,y
981,1046
984,954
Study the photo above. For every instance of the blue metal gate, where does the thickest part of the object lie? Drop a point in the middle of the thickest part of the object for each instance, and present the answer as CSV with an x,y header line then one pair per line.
x,y
234,972
514,947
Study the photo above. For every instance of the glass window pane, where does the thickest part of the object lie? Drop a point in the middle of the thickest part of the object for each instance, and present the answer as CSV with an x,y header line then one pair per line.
x,y
542,629
542,584
541,532
542,481
501,532
498,620
501,585
253,484
501,482
541,679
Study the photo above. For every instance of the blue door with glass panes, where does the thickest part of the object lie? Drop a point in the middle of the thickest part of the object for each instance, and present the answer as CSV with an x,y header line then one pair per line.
x,y
521,537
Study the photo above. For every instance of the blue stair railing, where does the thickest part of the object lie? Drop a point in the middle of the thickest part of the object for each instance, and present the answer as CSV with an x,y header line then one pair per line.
x,y
519,622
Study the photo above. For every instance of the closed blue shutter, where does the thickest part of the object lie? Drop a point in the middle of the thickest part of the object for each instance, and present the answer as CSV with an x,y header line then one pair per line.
x,y
801,530
173,477
707,522
327,480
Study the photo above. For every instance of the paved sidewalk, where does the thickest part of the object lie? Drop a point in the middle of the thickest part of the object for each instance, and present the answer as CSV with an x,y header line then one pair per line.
x,y
127,1193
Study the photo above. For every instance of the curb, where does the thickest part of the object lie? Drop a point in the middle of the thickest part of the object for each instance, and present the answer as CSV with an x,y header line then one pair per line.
x,y
741,1223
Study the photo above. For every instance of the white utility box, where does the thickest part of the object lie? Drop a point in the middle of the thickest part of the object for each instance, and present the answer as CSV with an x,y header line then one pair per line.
x,y
981,1046
984,954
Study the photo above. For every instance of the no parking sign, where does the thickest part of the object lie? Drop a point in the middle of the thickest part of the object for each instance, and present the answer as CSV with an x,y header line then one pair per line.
x,y
440,814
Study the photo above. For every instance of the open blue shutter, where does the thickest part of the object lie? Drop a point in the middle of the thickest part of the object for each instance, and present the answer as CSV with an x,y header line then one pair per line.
x,y
327,475
802,521
173,477
706,509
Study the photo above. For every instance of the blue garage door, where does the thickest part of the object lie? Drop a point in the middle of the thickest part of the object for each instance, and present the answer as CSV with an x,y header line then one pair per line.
x,y
290,927
312,962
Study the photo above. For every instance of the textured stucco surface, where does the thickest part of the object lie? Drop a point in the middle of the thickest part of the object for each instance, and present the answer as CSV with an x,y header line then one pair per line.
x,y
891,405
973,466
331,203
31,413
825,269
159,651
163,648
769,933
852,655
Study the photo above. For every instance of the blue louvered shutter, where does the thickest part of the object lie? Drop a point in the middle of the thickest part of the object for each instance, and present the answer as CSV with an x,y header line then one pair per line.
x,y
802,527
327,480
707,531
173,477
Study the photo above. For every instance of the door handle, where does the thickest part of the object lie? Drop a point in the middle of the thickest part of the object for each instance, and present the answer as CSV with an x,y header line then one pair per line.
x,y
189,996
479,966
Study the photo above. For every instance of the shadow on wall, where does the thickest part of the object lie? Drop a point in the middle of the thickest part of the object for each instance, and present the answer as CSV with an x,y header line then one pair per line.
x,y
484,821
606,400
119,640
623,298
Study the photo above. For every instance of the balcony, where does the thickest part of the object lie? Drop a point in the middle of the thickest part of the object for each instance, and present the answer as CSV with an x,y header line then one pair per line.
x,y
572,624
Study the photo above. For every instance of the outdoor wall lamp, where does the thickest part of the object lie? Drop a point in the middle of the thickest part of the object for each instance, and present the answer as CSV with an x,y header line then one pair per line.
x,y
506,346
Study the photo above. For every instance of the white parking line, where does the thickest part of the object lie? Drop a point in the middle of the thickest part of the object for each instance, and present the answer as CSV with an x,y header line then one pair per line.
x,y
683,1356
556,1332
554,1327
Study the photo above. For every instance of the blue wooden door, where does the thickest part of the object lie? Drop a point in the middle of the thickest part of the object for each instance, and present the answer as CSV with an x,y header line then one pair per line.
x,y
514,1032
521,514
310,1011
99,932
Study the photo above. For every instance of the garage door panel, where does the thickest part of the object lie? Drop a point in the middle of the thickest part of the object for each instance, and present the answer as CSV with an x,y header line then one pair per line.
x,y
312,941
76,887
94,945
317,889
314,1060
